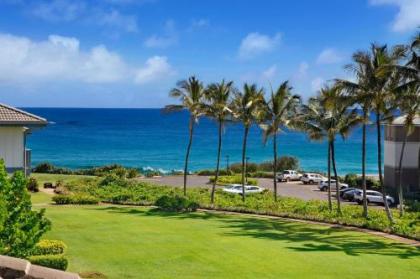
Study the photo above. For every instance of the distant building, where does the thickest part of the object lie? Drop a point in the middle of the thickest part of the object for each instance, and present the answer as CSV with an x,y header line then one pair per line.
x,y
394,137
15,125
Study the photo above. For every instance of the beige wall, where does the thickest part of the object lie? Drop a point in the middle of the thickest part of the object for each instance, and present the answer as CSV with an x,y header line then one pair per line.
x,y
392,153
12,146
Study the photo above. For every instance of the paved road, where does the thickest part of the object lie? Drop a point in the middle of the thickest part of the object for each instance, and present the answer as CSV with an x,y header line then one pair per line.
x,y
292,189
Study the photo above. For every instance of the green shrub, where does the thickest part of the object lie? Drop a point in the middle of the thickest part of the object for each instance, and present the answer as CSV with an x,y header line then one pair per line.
x,y
352,180
132,173
176,203
113,179
51,261
75,199
49,247
32,185
213,172
261,174
355,180
233,179
283,163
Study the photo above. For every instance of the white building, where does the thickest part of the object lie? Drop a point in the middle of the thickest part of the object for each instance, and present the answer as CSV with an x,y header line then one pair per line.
x,y
15,125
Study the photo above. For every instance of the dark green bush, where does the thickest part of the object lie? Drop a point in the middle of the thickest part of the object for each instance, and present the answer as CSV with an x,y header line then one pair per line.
x,y
113,179
176,203
352,180
213,172
32,185
355,180
51,261
49,247
75,199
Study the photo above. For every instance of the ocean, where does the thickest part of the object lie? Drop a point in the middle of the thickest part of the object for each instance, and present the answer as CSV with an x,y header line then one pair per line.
x,y
148,138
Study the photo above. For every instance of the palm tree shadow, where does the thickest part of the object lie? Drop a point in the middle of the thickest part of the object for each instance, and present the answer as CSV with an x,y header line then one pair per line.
x,y
301,237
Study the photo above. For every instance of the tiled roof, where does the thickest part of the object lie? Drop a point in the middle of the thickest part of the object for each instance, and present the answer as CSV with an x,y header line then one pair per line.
x,y
13,116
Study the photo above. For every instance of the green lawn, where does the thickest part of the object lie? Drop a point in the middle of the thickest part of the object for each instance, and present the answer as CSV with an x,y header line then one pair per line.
x,y
128,242
53,178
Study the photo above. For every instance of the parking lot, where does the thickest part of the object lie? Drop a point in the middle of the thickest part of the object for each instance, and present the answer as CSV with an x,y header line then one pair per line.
x,y
289,189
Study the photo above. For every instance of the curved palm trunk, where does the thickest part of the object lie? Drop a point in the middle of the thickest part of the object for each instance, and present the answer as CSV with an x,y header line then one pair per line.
x,y
275,165
187,156
219,150
243,161
336,177
400,174
365,205
329,176
381,179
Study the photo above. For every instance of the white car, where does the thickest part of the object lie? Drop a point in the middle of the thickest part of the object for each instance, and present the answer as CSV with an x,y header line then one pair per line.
x,y
311,178
323,185
237,189
373,197
288,175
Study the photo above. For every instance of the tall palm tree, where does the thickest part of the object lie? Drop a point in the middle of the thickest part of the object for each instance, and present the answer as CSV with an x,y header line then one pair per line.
x,y
377,80
327,116
217,103
190,92
409,106
245,108
278,112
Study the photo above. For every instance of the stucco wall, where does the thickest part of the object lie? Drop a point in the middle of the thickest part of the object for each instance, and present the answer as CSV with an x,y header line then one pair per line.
x,y
12,146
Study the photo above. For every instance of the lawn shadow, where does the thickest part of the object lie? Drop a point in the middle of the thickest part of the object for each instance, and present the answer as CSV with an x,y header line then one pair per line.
x,y
302,237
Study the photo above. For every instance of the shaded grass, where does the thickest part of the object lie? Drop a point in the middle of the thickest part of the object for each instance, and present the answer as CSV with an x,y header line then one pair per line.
x,y
130,242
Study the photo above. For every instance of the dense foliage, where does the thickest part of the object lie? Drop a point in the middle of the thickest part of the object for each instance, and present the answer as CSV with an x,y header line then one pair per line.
x,y
176,203
141,193
49,247
51,261
20,226
96,171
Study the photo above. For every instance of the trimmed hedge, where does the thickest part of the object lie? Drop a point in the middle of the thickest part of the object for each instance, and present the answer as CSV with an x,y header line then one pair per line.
x,y
51,261
233,179
49,247
176,203
75,199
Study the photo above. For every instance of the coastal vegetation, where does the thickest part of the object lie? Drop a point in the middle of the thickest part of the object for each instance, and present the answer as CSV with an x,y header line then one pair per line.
x,y
383,76
128,192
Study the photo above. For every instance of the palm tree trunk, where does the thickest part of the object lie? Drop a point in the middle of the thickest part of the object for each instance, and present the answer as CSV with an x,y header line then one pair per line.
x,y
400,170
275,165
243,161
381,179
219,150
191,126
365,206
329,176
336,177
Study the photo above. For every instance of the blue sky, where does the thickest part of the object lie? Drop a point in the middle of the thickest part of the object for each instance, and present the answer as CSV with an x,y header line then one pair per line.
x,y
128,53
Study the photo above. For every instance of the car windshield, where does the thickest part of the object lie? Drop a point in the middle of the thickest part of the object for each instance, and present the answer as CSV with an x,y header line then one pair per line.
x,y
286,172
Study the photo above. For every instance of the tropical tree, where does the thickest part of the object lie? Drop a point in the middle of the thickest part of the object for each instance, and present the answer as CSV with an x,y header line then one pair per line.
x,y
409,105
327,116
377,79
217,96
190,93
245,108
278,112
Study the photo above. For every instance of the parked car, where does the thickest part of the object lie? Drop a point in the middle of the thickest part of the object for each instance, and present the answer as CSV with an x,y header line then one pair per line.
x,y
323,185
311,178
349,195
373,197
237,189
289,175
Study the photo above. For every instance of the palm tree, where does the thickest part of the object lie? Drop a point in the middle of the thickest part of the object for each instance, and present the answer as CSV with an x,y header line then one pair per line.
x,y
377,80
409,106
245,107
217,96
277,112
190,92
328,115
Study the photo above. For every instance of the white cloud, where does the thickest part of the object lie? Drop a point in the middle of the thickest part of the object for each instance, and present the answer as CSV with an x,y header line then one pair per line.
x,y
59,10
255,43
60,59
156,68
269,73
408,16
169,37
317,83
198,23
114,18
329,56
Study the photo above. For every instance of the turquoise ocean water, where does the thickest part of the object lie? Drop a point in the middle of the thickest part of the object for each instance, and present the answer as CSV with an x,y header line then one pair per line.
x,y
80,138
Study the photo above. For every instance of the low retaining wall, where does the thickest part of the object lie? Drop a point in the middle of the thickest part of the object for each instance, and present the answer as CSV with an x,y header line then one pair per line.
x,y
14,268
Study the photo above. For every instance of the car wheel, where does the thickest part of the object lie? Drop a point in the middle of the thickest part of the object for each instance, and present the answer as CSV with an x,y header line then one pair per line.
x,y
359,201
287,179
323,189
304,182
311,182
